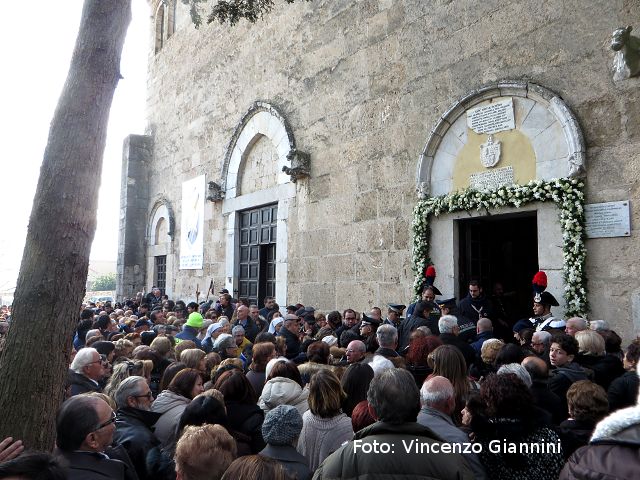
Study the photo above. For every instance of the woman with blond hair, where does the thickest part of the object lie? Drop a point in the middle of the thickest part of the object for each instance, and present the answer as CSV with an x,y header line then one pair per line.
x,y
325,426
592,356
194,358
126,369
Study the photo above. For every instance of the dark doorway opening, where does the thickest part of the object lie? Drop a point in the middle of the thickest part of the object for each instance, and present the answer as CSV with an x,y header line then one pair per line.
x,y
257,260
500,248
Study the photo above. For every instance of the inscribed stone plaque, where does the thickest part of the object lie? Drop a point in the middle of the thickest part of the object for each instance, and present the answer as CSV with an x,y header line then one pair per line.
x,y
492,118
609,219
491,179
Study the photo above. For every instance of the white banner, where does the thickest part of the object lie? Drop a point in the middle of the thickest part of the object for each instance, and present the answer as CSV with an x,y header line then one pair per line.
x,y
192,224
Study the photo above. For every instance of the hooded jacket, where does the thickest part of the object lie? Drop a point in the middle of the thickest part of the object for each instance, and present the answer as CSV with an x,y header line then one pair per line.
x,y
612,452
170,405
404,463
283,391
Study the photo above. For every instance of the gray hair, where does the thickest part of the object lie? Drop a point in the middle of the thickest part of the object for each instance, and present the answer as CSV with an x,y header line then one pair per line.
x,y
381,364
394,396
387,336
517,370
447,323
92,333
237,329
543,337
83,358
580,323
426,330
599,325
435,391
129,387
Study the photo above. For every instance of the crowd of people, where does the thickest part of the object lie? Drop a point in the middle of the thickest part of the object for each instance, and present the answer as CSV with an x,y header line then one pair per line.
x,y
226,389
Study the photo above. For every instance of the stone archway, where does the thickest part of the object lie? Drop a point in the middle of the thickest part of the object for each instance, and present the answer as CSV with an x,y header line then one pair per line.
x,y
263,123
159,241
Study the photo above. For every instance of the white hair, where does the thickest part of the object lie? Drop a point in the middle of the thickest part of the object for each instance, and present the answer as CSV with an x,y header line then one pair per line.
x,y
83,358
518,370
271,363
431,395
447,323
380,364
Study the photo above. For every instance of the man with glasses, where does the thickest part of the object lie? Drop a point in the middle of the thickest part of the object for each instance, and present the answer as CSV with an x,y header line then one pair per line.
x,y
87,370
84,430
134,420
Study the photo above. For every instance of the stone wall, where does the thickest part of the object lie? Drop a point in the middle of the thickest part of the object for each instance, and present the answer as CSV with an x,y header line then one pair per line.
x,y
362,84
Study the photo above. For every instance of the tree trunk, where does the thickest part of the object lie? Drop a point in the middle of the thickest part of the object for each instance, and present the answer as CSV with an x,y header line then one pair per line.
x,y
51,283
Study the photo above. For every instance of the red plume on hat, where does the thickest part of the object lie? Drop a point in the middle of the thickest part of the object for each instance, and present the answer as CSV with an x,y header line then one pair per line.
x,y
539,282
430,274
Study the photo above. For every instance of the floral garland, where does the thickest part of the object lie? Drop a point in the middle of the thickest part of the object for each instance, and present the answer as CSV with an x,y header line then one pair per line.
x,y
568,195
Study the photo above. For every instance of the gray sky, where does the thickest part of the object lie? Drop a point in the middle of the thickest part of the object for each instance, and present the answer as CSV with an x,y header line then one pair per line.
x,y
37,46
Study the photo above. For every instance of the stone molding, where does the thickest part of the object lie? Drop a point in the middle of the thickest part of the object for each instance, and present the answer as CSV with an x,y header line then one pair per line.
x,y
161,209
576,151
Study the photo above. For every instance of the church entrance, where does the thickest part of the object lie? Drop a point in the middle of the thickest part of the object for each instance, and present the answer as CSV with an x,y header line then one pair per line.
x,y
500,249
257,260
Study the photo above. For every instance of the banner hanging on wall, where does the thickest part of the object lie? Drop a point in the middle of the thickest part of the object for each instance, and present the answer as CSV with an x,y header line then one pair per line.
x,y
192,224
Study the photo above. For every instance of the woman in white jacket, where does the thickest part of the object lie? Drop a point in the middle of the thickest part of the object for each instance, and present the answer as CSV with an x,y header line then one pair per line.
x,y
283,387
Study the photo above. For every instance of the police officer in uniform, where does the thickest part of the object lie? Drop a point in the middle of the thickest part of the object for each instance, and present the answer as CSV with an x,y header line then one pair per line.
x,y
394,314
542,318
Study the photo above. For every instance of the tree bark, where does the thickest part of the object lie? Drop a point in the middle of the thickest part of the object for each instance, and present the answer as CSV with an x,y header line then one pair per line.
x,y
51,283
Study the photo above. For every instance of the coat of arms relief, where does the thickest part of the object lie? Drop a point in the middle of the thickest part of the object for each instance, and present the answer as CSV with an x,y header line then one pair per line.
x,y
490,152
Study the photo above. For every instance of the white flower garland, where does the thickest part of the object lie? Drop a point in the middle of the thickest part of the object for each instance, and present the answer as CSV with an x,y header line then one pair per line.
x,y
566,193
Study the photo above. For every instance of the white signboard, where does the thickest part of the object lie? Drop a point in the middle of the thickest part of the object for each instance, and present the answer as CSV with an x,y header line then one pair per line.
x,y
609,219
492,118
491,179
192,224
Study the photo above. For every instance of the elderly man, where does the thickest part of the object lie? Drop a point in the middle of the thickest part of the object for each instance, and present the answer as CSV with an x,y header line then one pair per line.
x,y
438,402
543,397
449,330
290,331
87,370
84,430
540,343
575,325
241,340
251,329
387,337
395,446
259,320
355,351
134,420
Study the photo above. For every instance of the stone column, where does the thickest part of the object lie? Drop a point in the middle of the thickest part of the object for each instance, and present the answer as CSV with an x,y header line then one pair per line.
x,y
134,201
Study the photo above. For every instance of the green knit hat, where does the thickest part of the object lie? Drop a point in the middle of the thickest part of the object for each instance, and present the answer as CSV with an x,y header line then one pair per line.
x,y
195,320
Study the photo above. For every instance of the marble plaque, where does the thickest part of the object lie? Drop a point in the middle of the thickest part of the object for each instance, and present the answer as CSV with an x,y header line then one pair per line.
x,y
492,118
491,179
609,219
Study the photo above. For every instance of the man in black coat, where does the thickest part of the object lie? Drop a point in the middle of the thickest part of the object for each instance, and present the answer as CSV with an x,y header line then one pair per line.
x,y
290,331
475,305
419,318
449,330
84,431
134,421
86,371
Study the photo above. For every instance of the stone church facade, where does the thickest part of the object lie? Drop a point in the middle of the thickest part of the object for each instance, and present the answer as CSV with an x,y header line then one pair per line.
x,y
316,129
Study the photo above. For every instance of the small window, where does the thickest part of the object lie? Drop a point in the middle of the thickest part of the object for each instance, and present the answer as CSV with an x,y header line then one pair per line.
x,y
161,272
165,22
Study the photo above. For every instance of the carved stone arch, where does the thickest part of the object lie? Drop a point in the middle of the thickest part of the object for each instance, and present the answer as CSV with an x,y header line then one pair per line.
x,y
432,158
261,120
161,209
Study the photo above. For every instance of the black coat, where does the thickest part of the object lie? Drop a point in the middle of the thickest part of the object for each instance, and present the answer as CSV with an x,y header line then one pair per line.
x,y
247,420
623,391
468,352
81,384
292,341
482,304
93,466
134,433
606,368
408,326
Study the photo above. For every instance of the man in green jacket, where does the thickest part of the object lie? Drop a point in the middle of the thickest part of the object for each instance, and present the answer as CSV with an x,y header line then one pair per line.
x,y
395,446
